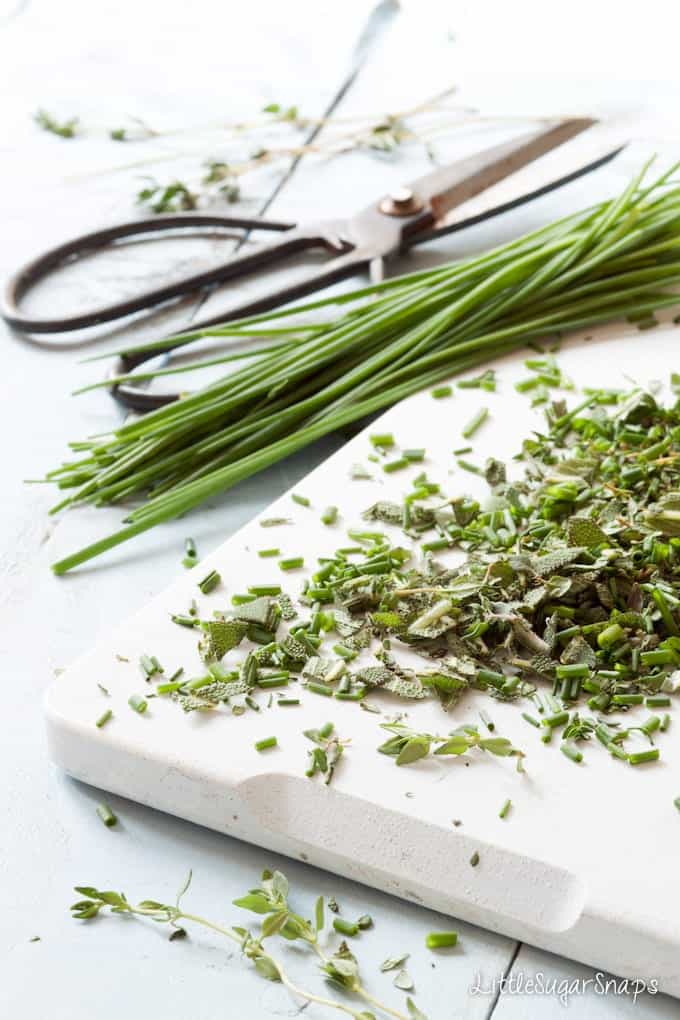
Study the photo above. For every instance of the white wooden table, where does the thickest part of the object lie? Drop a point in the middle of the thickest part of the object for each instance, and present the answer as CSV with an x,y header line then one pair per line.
x,y
178,64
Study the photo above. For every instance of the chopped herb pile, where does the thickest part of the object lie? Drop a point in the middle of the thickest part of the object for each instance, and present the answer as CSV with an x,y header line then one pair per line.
x,y
566,599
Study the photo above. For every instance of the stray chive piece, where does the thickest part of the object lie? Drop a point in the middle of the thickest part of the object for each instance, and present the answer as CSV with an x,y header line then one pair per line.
x,y
396,465
330,515
264,589
344,927
441,939
292,563
190,555
300,500
475,422
571,751
474,860
106,814
503,813
677,803
415,455
137,703
364,922
209,582
288,701
382,440
640,757
265,553
266,743
104,718
439,392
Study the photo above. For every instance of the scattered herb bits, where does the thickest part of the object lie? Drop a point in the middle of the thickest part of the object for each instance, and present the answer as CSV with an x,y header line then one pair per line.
x,y
330,515
382,440
475,423
190,555
106,814
138,704
300,500
344,927
440,392
292,563
266,553
505,809
104,718
441,939
210,582
266,744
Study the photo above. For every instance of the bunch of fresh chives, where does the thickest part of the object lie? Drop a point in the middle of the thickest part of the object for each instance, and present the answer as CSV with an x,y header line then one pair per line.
x,y
384,342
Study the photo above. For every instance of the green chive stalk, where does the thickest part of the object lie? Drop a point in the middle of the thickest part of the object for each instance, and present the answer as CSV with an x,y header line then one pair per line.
x,y
380,344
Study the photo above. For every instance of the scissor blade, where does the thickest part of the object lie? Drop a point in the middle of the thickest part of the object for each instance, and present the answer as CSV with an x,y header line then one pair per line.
x,y
450,186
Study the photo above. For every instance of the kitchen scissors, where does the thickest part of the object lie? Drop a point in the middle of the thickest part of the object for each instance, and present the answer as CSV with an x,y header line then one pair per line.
x,y
390,226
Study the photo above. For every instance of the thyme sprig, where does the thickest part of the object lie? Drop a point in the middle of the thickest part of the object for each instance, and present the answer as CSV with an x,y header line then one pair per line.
x,y
270,901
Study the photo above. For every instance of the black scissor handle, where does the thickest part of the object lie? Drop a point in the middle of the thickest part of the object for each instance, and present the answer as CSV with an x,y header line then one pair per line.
x,y
28,275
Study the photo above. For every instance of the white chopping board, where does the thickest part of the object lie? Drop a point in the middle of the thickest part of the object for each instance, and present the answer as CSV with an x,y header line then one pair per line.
x,y
586,863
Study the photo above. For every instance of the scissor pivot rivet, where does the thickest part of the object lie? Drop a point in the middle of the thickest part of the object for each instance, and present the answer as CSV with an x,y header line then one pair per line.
x,y
400,202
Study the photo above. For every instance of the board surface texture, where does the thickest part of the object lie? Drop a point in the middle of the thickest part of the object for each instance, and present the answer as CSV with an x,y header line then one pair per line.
x,y
584,866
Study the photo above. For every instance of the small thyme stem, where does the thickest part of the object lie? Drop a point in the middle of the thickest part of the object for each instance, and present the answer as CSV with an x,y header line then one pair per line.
x,y
285,980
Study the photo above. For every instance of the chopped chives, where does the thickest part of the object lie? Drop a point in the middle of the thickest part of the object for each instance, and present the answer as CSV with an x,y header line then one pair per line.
x,y
242,600
487,720
137,703
209,582
467,465
571,751
610,635
627,699
292,563
190,554
265,743
345,653
475,423
382,440
264,589
344,927
184,621
356,695
149,665
317,688
658,701
265,553
300,500
474,860
640,757
288,701
441,939
415,456
530,719
677,803
396,465
503,813
106,814
104,718
364,922
439,392
170,687
272,681
462,450
330,515
556,719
